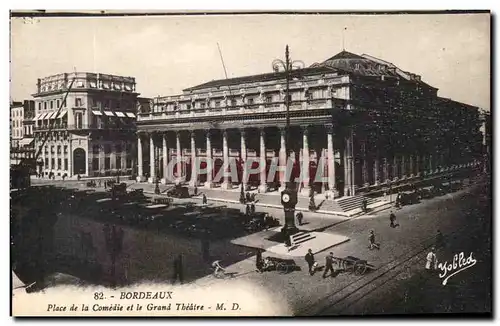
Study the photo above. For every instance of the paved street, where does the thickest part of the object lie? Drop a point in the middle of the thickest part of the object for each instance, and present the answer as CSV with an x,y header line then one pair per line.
x,y
309,294
148,255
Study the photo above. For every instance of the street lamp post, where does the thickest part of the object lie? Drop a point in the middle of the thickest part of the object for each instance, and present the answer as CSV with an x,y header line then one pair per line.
x,y
289,195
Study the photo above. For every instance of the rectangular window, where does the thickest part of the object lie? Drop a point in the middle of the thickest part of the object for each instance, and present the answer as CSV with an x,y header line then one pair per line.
x,y
95,164
268,99
78,102
217,104
107,149
52,149
58,149
58,163
188,107
65,149
233,102
46,163
52,163
118,162
250,101
107,163
66,164
58,104
45,105
51,105
129,163
39,106
95,149
202,105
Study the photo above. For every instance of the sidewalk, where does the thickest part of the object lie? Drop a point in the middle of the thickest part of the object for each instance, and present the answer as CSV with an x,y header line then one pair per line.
x,y
417,223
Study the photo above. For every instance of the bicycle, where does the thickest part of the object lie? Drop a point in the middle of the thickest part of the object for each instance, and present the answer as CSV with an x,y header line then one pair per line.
x,y
219,271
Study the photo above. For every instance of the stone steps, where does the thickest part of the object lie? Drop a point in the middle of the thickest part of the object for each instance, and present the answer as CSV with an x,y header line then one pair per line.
x,y
301,237
354,202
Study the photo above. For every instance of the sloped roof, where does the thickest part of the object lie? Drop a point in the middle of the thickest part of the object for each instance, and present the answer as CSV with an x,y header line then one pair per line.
x,y
258,78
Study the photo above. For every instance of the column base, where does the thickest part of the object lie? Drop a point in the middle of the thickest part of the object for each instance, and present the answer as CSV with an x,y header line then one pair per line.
x,y
263,189
226,186
140,178
209,184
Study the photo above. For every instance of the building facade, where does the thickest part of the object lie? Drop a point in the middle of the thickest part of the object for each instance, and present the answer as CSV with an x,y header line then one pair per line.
x,y
357,121
21,130
88,130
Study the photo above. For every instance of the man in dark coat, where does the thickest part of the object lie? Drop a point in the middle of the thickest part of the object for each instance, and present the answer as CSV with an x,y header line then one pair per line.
x,y
392,218
300,217
178,269
310,261
329,265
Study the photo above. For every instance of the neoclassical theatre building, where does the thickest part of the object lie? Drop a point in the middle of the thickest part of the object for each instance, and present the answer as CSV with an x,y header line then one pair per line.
x,y
94,132
362,121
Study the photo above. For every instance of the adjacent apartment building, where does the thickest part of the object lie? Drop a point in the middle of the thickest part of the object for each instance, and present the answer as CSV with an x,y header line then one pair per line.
x,y
88,130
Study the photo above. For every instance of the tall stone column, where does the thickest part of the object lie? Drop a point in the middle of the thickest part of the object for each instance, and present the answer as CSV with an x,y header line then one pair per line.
x,y
412,167
418,165
395,168
386,169
152,161
331,163
140,172
166,177
262,163
194,164
364,167
305,161
209,183
243,156
226,184
348,170
376,169
282,159
179,156
403,166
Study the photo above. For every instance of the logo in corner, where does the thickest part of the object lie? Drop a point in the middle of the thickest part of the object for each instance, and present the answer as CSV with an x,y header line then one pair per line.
x,y
458,264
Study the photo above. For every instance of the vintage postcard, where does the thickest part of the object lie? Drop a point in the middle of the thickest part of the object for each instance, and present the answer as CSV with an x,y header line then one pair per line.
x,y
250,163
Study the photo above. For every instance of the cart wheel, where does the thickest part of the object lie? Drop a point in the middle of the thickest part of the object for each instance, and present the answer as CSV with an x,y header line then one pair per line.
x,y
359,269
282,268
349,268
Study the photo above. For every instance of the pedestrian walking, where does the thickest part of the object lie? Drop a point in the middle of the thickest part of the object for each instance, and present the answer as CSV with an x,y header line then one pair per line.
x,y
300,217
431,261
329,265
195,190
178,273
364,205
392,218
247,210
259,262
371,239
204,199
311,262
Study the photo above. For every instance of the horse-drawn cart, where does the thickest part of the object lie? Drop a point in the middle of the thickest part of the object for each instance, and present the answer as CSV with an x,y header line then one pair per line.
x,y
354,265
282,266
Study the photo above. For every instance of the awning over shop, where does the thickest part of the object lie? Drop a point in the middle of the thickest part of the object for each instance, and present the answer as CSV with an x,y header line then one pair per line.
x,y
96,112
62,114
44,116
120,114
25,141
53,115
109,113
130,114
37,117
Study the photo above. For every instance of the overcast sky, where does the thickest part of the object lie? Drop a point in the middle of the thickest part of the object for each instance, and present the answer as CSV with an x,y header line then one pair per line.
x,y
169,53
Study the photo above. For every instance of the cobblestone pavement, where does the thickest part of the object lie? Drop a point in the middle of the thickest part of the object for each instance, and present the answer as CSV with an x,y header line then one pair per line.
x,y
417,223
